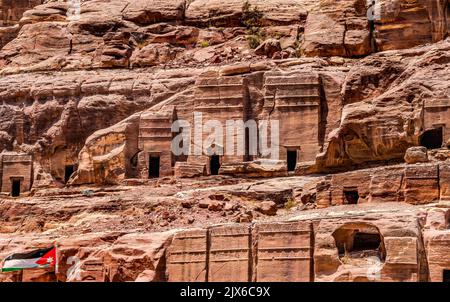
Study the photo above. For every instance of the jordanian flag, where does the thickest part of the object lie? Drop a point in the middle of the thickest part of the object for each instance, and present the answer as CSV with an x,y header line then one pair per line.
x,y
35,259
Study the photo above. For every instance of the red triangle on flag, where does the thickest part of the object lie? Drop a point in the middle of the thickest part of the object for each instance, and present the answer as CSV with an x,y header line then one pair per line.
x,y
48,259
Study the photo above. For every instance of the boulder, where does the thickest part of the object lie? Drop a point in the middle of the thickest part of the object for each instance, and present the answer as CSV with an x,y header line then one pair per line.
x,y
138,257
268,48
257,168
416,155
267,208
323,36
215,205
144,12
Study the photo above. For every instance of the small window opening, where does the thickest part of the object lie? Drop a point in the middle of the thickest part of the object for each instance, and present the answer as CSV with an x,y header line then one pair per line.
x,y
351,196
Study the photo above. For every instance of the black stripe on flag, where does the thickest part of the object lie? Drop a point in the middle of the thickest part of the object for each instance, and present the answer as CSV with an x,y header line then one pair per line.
x,y
30,255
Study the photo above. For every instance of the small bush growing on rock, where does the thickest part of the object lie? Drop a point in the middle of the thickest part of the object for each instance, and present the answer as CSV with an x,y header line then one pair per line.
x,y
252,20
251,16
203,44
290,203
254,41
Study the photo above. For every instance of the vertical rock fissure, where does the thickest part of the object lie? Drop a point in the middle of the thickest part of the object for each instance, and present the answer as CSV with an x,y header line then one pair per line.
x,y
248,115
323,114
208,250
252,255
346,51
423,271
447,19
311,253
373,41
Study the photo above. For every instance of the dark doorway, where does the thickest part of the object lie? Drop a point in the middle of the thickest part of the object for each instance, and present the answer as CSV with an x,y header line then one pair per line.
x,y
68,172
366,241
153,169
214,164
351,196
432,139
15,188
446,275
360,240
291,160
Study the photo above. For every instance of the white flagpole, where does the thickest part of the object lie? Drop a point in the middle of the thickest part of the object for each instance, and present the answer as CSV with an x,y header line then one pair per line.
x,y
56,261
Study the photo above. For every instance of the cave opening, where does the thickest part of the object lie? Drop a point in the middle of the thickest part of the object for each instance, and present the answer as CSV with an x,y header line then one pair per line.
x,y
154,166
291,160
69,170
214,164
359,241
432,139
351,196
366,241
446,275
15,187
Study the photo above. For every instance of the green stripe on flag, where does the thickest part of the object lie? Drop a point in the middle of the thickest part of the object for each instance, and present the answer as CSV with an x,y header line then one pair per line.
x,y
19,264
13,269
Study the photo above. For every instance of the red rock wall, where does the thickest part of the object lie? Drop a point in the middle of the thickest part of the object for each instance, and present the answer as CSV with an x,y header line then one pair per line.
x,y
284,252
221,99
155,138
12,10
264,252
187,257
414,245
294,99
16,167
414,184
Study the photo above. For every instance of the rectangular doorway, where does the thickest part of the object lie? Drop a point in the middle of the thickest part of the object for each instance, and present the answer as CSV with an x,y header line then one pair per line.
x,y
446,275
291,160
68,172
154,165
214,164
351,195
15,187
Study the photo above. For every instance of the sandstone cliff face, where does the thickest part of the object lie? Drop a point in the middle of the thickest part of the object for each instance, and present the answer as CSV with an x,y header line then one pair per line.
x,y
382,110
308,247
40,111
151,33
383,116
10,14
148,33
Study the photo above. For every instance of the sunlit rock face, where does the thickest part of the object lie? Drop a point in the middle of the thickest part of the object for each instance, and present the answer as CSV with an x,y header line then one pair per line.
x,y
358,94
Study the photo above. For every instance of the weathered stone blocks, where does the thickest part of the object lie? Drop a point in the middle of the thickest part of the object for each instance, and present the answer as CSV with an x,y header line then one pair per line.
x,y
187,256
284,252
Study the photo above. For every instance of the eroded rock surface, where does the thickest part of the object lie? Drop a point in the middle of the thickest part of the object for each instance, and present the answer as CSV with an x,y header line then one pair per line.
x,y
360,185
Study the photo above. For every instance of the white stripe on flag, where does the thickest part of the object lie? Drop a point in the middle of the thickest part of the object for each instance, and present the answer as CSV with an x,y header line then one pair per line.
x,y
21,263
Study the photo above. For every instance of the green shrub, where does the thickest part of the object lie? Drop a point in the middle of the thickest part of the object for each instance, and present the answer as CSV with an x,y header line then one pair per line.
x,y
203,44
254,41
251,16
252,20
290,203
